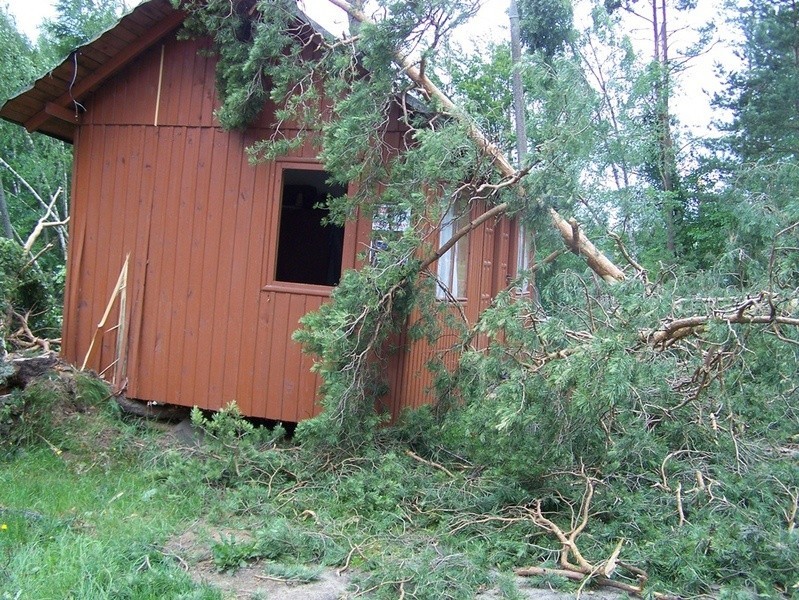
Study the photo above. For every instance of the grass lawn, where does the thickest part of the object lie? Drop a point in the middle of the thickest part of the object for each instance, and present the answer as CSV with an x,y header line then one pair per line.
x,y
86,518
95,506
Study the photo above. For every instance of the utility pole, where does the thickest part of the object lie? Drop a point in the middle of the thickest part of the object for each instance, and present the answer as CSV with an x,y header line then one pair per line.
x,y
518,92
525,244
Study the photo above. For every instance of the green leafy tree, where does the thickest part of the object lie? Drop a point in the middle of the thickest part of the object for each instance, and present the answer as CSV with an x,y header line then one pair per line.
x,y
660,159
481,83
76,23
644,173
12,77
34,176
757,165
547,25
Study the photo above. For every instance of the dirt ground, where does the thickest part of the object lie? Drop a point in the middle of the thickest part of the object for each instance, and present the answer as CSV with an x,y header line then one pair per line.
x,y
192,549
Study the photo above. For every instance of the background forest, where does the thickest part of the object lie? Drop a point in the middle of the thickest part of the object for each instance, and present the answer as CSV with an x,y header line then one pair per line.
x,y
647,412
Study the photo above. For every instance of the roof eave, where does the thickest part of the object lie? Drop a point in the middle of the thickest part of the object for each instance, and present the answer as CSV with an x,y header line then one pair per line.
x,y
51,105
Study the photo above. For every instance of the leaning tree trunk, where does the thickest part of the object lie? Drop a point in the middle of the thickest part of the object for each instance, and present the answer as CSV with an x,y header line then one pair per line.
x,y
569,230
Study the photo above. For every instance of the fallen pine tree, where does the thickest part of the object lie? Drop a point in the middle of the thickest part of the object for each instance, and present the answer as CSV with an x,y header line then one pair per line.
x,y
673,393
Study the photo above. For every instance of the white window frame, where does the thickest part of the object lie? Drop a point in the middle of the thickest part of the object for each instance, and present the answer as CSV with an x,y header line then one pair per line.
x,y
450,284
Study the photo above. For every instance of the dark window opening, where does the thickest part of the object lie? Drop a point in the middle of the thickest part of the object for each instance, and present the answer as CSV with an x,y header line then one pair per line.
x,y
308,251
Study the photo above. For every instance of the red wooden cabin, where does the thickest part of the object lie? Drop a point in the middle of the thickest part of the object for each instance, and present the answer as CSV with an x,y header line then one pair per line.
x,y
224,256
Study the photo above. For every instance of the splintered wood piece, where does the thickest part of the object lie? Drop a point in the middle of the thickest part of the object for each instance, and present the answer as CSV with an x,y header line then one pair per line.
x,y
98,334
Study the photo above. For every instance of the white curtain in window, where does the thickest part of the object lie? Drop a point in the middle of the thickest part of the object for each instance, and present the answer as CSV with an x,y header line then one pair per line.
x,y
448,274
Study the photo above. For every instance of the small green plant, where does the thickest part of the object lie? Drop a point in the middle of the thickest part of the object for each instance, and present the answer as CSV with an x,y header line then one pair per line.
x,y
234,450
47,412
378,490
280,540
430,573
283,540
24,288
91,391
231,554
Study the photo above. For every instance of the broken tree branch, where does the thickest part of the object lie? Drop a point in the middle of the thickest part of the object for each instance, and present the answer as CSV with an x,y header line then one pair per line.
x,y
429,463
738,315
597,261
24,337
493,212
25,183
581,569
43,222
628,257
119,288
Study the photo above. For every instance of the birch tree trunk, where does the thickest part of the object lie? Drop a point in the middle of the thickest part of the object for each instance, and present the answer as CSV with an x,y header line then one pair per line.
x,y
5,218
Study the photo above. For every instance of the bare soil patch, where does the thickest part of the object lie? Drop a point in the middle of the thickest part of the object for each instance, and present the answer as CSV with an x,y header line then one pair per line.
x,y
192,549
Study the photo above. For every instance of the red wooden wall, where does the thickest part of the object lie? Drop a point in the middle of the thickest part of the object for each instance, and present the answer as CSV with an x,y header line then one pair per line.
x,y
488,272
156,178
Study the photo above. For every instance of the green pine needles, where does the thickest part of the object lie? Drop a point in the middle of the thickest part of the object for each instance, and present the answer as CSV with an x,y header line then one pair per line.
x,y
347,97
674,398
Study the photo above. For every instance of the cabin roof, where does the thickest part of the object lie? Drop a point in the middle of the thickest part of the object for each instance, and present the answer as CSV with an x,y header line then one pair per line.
x,y
51,105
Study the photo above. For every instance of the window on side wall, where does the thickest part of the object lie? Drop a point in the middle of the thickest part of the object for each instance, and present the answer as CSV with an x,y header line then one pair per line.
x,y
308,250
453,266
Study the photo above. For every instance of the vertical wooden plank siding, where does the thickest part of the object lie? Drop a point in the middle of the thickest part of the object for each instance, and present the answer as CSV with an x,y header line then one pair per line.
x,y
308,407
277,385
261,342
137,279
293,374
153,354
188,95
114,200
77,233
219,265
263,356
485,264
152,253
91,282
200,223
181,340
132,193
172,296
232,264
210,229
197,241
247,366
195,344
501,256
